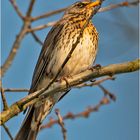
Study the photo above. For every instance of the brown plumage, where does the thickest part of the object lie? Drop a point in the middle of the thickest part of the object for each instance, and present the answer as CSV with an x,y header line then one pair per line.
x,y
57,45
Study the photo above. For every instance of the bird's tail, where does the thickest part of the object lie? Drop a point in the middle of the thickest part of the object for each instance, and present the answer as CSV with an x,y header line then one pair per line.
x,y
26,127
33,120
35,116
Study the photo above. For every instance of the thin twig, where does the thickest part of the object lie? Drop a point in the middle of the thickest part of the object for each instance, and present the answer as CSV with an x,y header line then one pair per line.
x,y
13,2
15,90
5,105
83,114
42,26
95,83
17,41
48,14
14,50
30,9
7,131
122,4
107,92
37,38
61,123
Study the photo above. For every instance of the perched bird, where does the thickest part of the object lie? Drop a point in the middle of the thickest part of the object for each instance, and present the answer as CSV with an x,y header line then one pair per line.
x,y
57,45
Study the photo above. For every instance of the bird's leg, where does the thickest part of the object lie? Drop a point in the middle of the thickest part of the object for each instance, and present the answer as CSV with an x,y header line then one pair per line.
x,y
65,79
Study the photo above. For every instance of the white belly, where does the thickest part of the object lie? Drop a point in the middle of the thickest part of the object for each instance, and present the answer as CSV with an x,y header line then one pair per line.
x,y
82,57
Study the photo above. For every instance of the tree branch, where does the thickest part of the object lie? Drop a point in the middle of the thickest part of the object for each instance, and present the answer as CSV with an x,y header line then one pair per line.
x,y
56,87
40,27
15,90
49,14
5,105
7,131
110,7
37,39
83,114
13,2
61,123
122,4
95,83
14,50
30,9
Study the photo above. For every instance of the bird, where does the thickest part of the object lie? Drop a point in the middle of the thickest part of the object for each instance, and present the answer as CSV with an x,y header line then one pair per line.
x,y
57,45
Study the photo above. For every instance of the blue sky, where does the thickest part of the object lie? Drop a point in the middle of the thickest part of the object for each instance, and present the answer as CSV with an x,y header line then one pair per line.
x,y
118,42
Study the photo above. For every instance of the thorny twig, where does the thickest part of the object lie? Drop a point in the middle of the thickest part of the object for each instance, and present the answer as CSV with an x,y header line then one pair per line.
x,y
61,123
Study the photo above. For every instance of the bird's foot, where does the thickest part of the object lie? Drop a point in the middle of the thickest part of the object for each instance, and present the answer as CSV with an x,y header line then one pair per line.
x,y
65,78
96,67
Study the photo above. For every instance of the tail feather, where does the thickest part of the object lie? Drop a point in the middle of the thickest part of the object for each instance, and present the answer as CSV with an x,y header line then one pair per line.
x,y
33,120
25,128
35,116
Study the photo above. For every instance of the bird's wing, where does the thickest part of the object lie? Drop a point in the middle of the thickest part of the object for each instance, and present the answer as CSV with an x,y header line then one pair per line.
x,y
44,58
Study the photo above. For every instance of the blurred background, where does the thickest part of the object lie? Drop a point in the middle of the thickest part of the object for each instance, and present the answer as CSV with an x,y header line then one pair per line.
x,y
118,32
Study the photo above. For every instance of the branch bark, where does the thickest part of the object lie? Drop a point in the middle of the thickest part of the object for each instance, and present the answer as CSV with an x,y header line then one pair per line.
x,y
56,87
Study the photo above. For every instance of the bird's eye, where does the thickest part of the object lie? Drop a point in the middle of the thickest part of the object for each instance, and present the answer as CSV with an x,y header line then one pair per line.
x,y
80,5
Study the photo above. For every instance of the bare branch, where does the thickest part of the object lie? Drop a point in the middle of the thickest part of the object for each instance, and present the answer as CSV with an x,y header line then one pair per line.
x,y
30,9
95,83
122,4
13,2
7,131
48,14
42,26
5,105
85,76
37,39
110,7
61,123
14,50
83,114
107,92
15,90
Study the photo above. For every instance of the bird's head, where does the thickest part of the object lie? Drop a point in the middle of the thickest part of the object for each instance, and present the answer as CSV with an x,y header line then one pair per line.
x,y
83,9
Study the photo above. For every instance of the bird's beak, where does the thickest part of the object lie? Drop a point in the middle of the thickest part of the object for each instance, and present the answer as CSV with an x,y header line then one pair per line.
x,y
93,4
